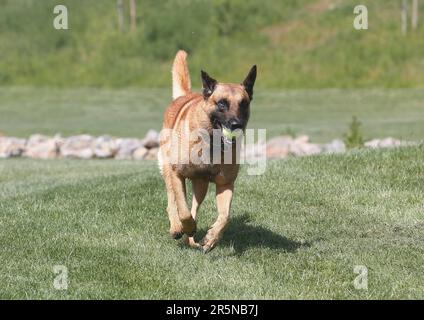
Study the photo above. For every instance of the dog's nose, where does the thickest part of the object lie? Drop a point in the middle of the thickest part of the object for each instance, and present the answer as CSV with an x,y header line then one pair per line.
x,y
235,124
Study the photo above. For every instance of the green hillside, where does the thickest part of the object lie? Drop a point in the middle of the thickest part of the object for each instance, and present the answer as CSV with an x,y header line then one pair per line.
x,y
297,44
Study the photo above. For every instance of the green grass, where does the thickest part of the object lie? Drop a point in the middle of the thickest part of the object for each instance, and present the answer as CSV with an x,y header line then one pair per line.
x,y
295,43
296,232
323,114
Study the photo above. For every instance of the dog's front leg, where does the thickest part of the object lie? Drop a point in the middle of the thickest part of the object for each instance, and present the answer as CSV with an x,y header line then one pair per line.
x,y
200,188
224,195
176,229
187,221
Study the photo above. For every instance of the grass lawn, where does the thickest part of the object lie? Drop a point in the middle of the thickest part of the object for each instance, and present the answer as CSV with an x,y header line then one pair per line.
x,y
296,232
323,114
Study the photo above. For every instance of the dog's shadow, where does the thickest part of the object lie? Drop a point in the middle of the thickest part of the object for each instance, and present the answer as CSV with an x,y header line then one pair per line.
x,y
241,236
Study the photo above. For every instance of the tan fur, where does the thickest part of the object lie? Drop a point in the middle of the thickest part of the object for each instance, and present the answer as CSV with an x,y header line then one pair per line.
x,y
190,111
181,84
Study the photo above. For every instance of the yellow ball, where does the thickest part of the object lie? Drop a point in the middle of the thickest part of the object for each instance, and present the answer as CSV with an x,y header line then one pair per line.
x,y
227,133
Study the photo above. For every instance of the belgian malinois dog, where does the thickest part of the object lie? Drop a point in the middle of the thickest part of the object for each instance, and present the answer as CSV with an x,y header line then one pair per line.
x,y
220,107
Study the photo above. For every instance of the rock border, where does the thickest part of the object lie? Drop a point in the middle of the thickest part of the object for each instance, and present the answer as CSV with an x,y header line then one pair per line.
x,y
84,146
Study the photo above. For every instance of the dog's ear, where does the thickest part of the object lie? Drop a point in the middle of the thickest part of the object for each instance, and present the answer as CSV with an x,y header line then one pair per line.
x,y
208,83
249,82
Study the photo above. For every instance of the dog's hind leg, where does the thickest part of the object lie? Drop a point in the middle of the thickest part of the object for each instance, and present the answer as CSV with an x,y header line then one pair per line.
x,y
187,221
200,188
224,195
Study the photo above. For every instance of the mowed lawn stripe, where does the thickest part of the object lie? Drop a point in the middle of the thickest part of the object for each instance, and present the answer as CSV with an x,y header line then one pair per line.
x,y
322,114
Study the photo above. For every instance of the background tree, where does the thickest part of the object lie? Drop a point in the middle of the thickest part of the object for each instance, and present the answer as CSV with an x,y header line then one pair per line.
x,y
133,15
404,16
120,9
414,21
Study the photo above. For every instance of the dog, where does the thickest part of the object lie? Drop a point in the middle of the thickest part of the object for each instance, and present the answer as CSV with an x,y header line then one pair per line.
x,y
219,107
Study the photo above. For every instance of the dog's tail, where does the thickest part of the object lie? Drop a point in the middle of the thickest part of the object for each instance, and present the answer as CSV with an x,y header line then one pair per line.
x,y
181,83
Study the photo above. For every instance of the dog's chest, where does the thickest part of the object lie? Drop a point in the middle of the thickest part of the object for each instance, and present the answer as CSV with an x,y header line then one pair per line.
x,y
214,173
192,171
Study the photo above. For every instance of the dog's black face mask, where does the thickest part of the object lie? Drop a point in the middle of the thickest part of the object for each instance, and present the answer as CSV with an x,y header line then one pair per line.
x,y
228,105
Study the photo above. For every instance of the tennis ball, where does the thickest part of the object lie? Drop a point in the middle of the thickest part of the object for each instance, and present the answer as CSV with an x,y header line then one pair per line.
x,y
227,133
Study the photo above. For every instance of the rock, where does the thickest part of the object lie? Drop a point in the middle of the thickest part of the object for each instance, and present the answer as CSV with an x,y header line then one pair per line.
x,y
253,151
383,143
79,147
42,147
390,143
140,153
105,147
302,147
281,147
278,147
11,147
276,152
87,147
151,140
374,143
152,154
126,147
301,139
335,146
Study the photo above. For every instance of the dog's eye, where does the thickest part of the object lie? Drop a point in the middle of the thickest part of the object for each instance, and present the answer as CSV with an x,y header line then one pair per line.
x,y
244,104
222,105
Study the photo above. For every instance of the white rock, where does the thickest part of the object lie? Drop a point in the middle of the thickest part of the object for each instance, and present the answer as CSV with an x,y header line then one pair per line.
x,y
140,153
42,147
105,147
301,139
278,147
11,147
151,140
335,146
79,147
300,149
372,143
282,146
383,143
152,154
126,147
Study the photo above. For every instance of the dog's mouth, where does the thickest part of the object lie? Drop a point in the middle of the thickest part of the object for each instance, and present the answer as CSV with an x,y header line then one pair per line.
x,y
228,136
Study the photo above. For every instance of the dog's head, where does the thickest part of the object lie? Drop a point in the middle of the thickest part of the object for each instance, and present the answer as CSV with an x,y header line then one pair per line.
x,y
228,105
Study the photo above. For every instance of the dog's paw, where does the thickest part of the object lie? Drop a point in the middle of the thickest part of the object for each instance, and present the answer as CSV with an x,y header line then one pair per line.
x,y
176,231
176,234
189,227
192,243
209,242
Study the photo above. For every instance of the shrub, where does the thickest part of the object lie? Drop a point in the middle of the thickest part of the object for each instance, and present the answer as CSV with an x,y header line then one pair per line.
x,y
354,138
